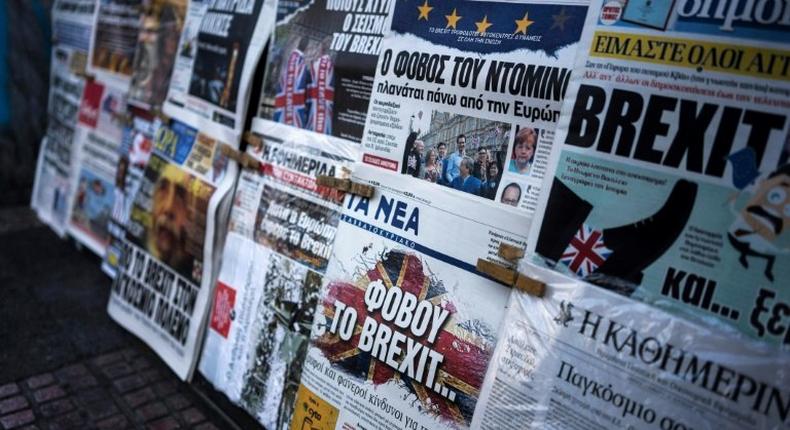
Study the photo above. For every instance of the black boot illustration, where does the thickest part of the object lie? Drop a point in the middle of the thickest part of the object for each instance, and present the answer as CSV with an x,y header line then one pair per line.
x,y
565,212
634,247
638,245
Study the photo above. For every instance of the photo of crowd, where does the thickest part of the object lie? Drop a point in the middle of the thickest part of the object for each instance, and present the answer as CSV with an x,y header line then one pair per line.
x,y
468,154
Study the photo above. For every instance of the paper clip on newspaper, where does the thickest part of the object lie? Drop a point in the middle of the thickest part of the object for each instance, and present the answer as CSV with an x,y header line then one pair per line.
x,y
509,276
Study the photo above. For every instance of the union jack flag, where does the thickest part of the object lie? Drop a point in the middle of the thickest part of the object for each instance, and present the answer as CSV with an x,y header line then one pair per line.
x,y
291,104
321,94
586,251
467,345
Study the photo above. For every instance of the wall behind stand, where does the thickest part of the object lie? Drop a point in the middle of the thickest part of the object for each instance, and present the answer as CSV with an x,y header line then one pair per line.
x,y
25,40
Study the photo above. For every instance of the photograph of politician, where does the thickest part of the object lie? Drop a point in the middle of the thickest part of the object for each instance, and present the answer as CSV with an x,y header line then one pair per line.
x,y
524,144
457,151
169,216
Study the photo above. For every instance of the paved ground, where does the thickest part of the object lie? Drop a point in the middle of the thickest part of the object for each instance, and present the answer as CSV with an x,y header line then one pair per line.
x,y
63,363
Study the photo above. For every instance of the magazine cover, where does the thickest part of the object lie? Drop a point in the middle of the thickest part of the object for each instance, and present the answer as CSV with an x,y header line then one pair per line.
x,y
218,51
405,325
164,274
72,24
468,93
98,138
140,135
321,64
280,235
669,177
583,357
114,41
160,28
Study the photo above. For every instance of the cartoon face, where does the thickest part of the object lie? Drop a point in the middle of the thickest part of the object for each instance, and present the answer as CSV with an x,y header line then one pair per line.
x,y
768,212
167,238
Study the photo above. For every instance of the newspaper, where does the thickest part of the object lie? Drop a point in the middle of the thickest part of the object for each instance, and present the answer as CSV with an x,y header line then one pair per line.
x,y
280,235
219,49
321,64
157,43
114,41
164,282
670,179
584,358
468,93
405,325
139,137
72,22
97,139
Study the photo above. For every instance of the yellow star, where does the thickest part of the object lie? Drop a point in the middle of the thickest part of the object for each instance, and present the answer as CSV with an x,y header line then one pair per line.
x,y
453,19
522,24
483,25
424,9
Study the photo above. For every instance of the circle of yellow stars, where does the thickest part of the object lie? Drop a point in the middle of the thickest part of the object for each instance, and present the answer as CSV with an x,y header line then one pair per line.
x,y
482,26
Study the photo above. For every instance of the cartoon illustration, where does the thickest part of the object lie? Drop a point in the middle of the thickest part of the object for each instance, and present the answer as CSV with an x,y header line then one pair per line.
x,y
616,257
762,220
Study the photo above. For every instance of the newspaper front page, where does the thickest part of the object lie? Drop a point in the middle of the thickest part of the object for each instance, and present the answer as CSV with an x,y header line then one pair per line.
x,y
280,235
321,64
585,358
160,29
114,41
97,139
670,179
468,93
219,49
164,276
72,23
405,326
139,137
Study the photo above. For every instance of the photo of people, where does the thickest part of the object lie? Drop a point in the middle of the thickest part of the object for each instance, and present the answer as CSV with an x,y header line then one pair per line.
x,y
457,151
523,152
173,229
511,194
93,206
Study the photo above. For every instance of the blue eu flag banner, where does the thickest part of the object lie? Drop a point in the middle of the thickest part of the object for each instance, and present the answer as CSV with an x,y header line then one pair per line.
x,y
490,27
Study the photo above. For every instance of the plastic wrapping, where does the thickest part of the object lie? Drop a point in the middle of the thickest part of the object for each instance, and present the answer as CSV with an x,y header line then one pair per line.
x,y
405,325
280,234
584,357
166,266
669,179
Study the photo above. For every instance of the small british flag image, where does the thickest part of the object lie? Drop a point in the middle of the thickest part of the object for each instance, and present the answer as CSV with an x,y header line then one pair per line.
x,y
586,252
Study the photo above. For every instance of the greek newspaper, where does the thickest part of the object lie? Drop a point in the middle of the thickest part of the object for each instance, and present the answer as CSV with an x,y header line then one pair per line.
x,y
133,154
97,139
72,23
584,358
114,41
280,235
321,63
157,43
164,276
219,49
405,325
468,93
670,179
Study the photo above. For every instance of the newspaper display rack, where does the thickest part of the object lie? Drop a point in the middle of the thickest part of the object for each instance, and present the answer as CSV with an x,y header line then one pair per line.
x,y
328,230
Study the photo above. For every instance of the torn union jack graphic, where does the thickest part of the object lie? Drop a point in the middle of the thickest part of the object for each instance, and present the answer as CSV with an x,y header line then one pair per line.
x,y
586,251
465,345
